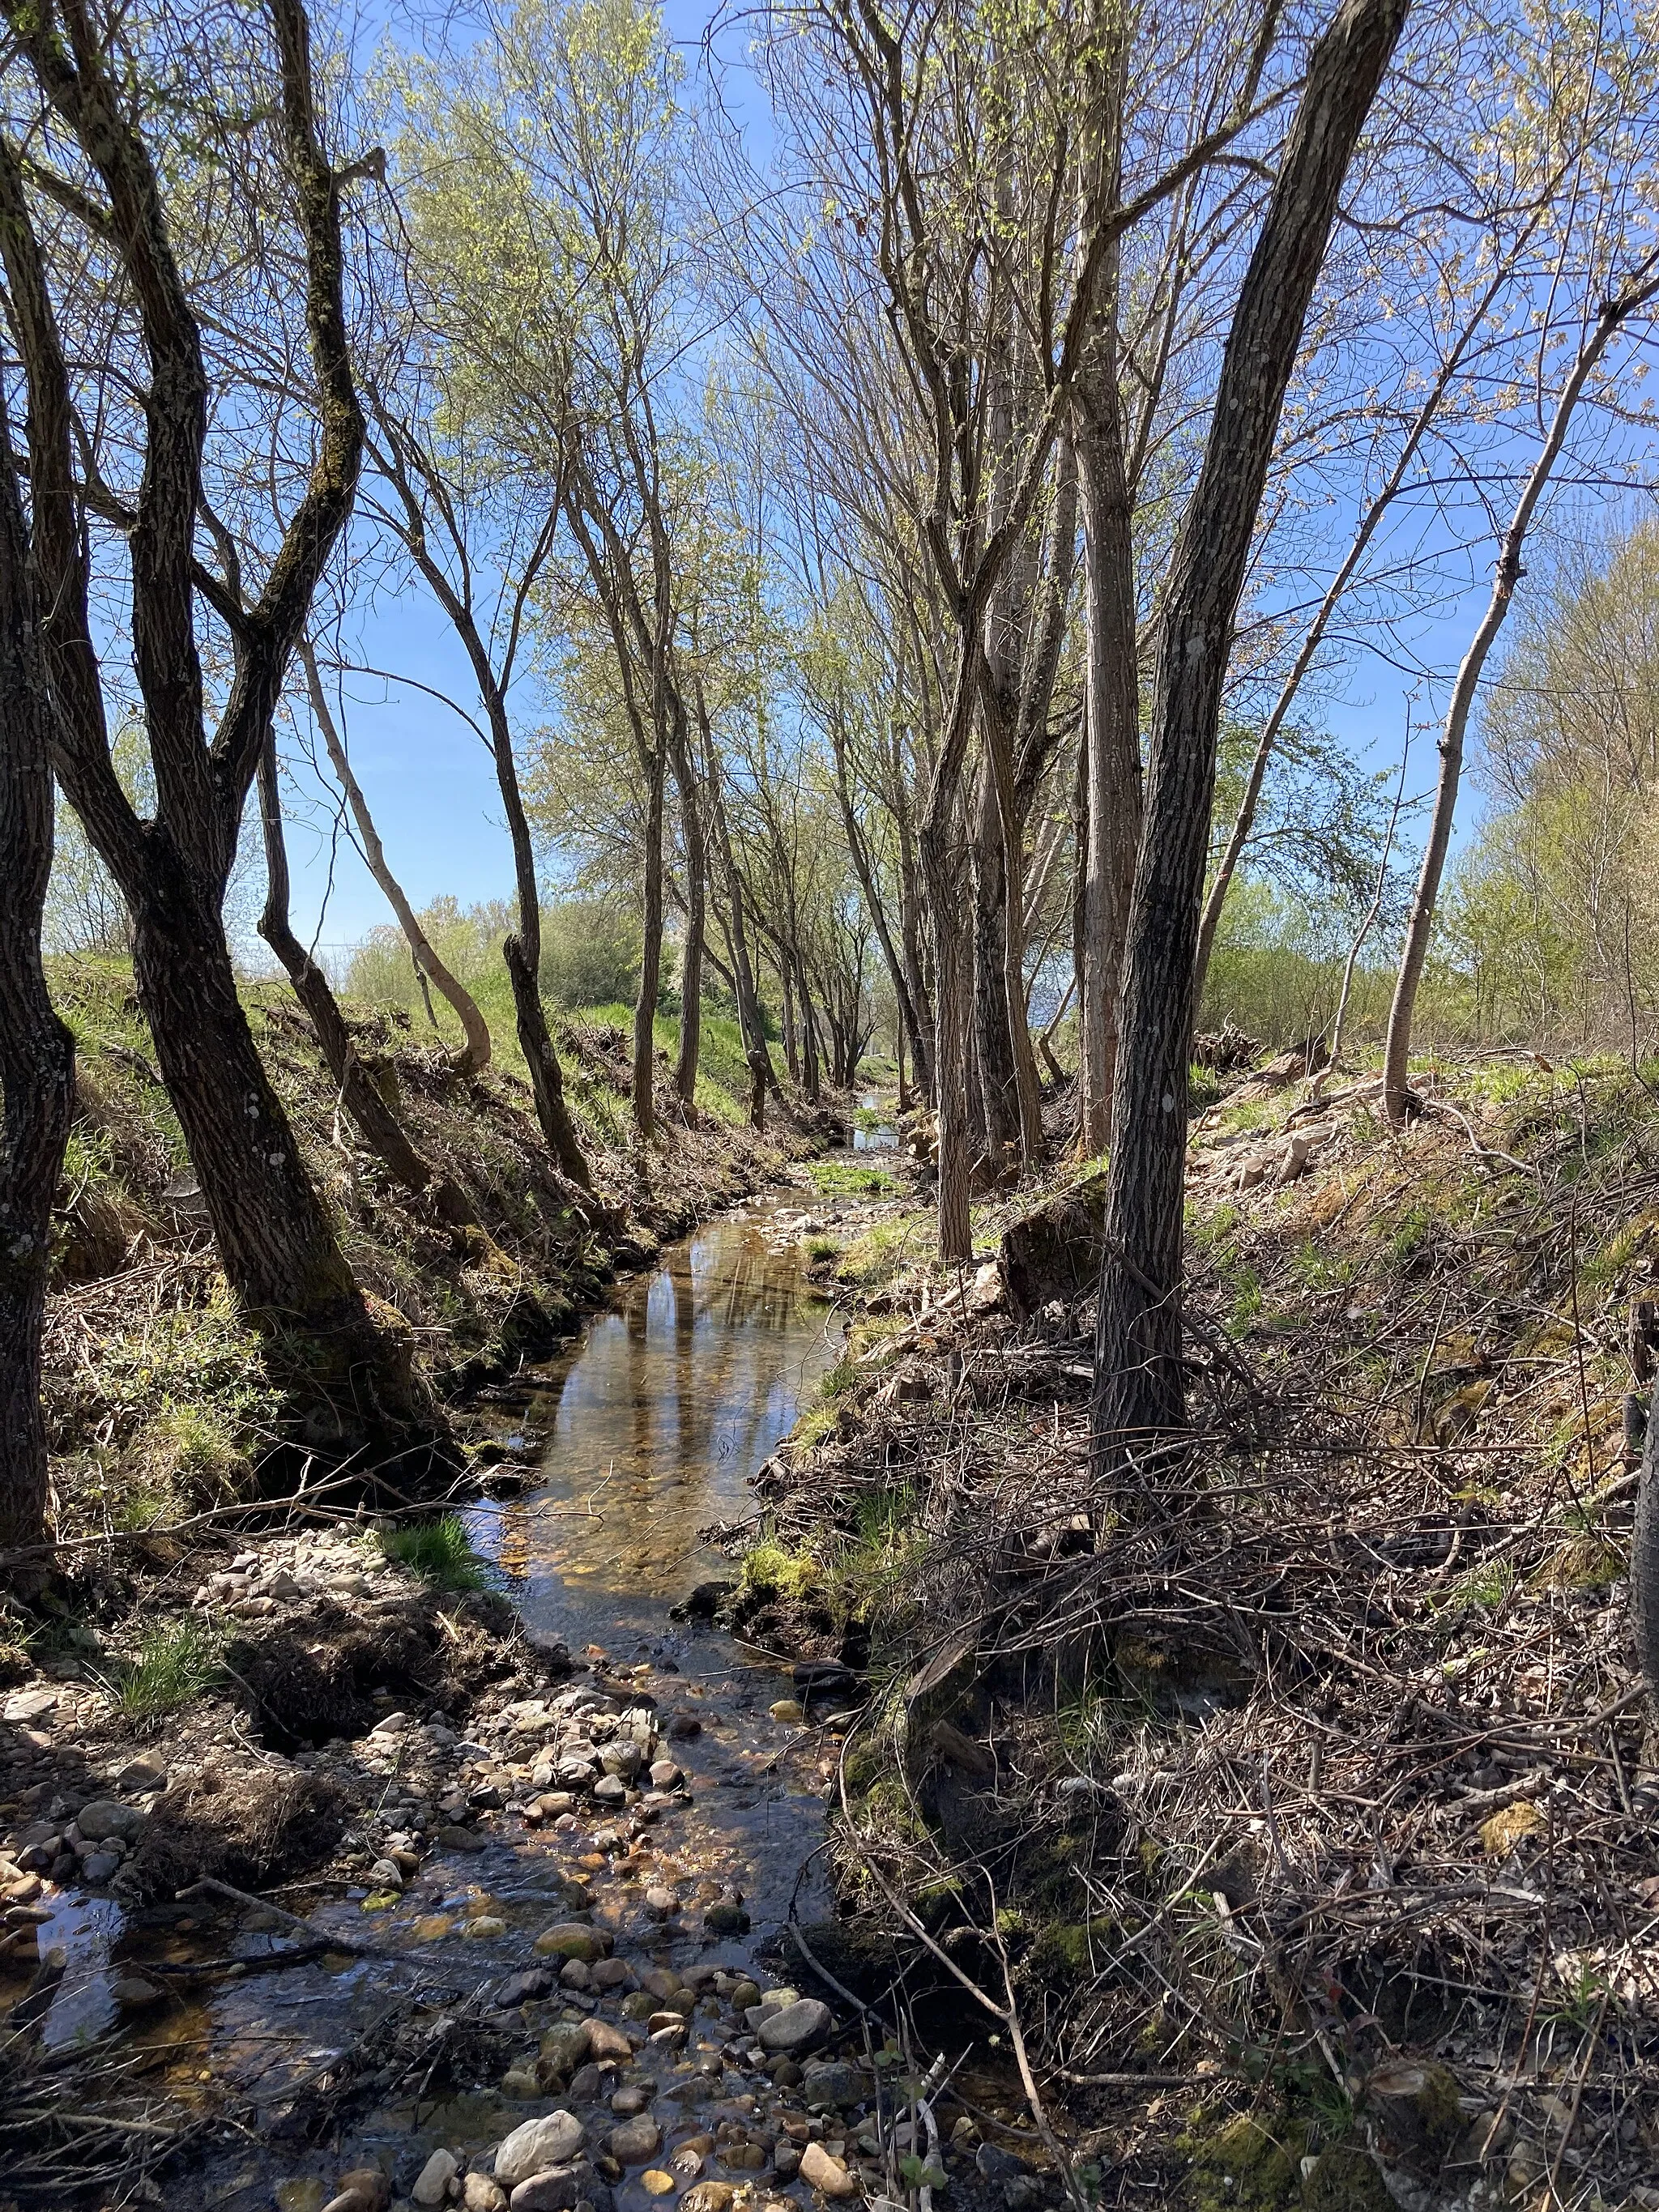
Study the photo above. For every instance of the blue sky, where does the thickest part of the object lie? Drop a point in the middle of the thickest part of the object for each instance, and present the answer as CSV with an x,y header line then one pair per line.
x,y
429,780
431,784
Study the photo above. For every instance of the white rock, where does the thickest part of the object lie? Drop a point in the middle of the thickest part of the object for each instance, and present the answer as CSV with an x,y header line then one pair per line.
x,y
553,2141
440,2169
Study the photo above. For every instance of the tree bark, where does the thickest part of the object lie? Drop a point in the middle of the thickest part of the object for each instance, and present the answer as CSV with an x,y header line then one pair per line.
x,y
353,1385
37,1053
993,1029
1396,1062
697,878
356,1390
645,1006
1139,1397
1111,729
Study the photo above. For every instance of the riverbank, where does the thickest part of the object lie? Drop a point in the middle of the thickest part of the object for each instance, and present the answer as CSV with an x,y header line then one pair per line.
x,y
400,1873
1300,1830
158,1399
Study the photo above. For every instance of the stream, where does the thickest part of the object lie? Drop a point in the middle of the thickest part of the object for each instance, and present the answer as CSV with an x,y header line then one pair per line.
x,y
649,1429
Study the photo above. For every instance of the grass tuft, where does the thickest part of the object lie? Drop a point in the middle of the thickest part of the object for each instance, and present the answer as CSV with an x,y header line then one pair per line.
x,y
439,1551
175,1663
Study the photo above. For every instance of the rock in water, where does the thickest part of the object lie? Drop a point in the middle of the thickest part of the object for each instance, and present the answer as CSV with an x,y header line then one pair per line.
x,y
826,2174
795,2027
636,2141
537,2145
558,2190
836,2083
433,2187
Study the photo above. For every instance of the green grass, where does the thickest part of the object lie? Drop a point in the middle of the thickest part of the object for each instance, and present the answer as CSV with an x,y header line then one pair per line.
x,y
840,1179
175,1663
439,1551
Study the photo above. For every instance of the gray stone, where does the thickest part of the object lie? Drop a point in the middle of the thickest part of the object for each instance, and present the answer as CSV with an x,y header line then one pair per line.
x,y
133,1993
997,2164
524,1989
610,1789
99,1867
725,1920
635,2141
836,2083
566,2045
106,1818
457,1839
623,1759
433,2187
795,2027
558,2190
538,2144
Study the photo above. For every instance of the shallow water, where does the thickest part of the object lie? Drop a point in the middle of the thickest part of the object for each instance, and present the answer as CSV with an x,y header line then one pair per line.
x,y
650,1425
654,1422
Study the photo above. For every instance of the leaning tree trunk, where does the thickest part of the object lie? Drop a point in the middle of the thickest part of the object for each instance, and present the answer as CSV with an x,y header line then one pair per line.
x,y
475,1055
356,1391
697,881
1139,1397
522,953
361,1096
37,1053
645,1007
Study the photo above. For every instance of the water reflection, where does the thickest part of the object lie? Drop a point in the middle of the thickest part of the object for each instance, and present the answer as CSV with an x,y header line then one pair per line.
x,y
655,1424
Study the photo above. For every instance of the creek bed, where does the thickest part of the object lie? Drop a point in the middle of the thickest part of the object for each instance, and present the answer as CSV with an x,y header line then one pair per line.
x,y
648,1429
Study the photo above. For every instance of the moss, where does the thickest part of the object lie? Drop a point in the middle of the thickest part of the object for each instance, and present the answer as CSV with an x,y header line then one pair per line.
x,y
1247,2167
1062,1953
1344,2178
772,1576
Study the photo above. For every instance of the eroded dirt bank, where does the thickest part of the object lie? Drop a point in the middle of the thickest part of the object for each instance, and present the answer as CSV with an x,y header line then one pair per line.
x,y
1301,1820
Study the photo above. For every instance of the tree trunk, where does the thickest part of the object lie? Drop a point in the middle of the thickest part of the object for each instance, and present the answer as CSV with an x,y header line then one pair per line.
x,y
475,1055
1111,724
645,1006
697,878
521,950
1396,1087
37,1053
361,1096
1140,1396
992,1031
791,1046
811,1081
743,972
356,1389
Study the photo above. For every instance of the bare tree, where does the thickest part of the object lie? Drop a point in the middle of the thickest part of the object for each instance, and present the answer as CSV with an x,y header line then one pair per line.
x,y
1636,292
274,1239
37,1053
474,1054
1140,1396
